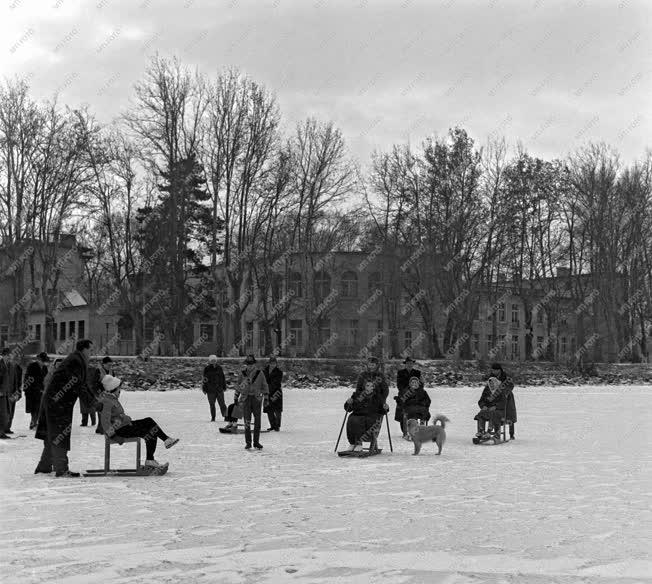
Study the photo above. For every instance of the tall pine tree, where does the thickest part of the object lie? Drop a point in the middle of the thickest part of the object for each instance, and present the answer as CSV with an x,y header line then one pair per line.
x,y
174,237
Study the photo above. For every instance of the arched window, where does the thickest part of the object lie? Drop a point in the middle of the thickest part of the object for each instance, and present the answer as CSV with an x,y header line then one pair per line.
x,y
322,285
350,285
294,285
375,282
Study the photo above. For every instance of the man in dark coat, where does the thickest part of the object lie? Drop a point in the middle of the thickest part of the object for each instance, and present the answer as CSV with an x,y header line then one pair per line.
x,y
33,386
367,406
402,383
57,408
274,377
11,375
214,385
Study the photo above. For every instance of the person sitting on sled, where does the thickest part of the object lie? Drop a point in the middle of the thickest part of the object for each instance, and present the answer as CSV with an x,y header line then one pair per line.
x,y
492,402
367,406
117,424
415,403
233,413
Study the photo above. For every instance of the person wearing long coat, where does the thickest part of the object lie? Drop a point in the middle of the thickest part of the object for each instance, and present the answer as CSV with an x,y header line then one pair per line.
x,y
57,407
402,383
33,386
274,377
213,385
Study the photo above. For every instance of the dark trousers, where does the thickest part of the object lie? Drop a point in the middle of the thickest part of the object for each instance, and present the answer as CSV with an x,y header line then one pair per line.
x,y
12,411
147,429
99,429
85,419
252,406
360,428
53,457
4,414
219,396
274,417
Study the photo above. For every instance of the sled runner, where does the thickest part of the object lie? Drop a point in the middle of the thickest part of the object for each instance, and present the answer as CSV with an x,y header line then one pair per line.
x,y
364,453
489,438
138,471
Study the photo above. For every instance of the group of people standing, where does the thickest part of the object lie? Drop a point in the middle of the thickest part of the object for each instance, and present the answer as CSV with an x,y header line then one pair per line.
x,y
257,391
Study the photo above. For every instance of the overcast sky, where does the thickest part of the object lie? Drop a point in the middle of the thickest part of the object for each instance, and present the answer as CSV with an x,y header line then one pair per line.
x,y
550,74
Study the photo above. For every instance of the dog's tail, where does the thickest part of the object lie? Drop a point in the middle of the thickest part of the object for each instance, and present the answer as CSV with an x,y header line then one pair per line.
x,y
442,419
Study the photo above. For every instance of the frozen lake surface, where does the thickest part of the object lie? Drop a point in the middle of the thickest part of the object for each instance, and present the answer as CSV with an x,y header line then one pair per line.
x,y
569,501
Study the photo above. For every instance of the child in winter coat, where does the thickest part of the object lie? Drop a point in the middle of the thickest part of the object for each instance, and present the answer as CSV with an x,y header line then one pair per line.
x,y
117,424
495,399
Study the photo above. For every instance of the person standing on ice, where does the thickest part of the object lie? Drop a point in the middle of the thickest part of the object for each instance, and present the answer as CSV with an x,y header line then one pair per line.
x,y
402,383
367,405
274,378
213,386
118,425
33,386
254,395
56,411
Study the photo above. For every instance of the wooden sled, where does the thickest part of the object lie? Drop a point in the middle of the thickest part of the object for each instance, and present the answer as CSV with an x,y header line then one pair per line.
x,y
364,453
138,471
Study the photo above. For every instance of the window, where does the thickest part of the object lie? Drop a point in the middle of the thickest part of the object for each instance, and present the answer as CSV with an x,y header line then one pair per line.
x,y
515,314
351,333
30,331
261,339
375,282
81,328
408,339
249,339
62,331
296,333
501,312
490,342
295,286
349,285
37,332
71,328
503,344
277,289
206,331
539,342
324,331
563,346
515,347
322,285
4,334
476,343
540,315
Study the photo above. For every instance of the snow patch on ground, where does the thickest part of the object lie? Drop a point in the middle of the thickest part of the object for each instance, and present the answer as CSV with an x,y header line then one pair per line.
x,y
567,502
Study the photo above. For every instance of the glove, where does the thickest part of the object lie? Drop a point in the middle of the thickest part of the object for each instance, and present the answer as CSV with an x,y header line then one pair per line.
x,y
396,398
386,407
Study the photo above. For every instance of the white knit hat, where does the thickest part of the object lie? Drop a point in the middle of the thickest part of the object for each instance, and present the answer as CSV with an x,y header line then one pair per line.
x,y
111,383
212,358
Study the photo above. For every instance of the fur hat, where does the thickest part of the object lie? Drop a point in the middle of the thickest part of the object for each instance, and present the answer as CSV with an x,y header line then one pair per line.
x,y
250,360
111,383
497,366
408,359
212,358
43,356
107,359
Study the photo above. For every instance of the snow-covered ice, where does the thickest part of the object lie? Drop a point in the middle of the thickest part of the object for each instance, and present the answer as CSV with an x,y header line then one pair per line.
x,y
569,501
